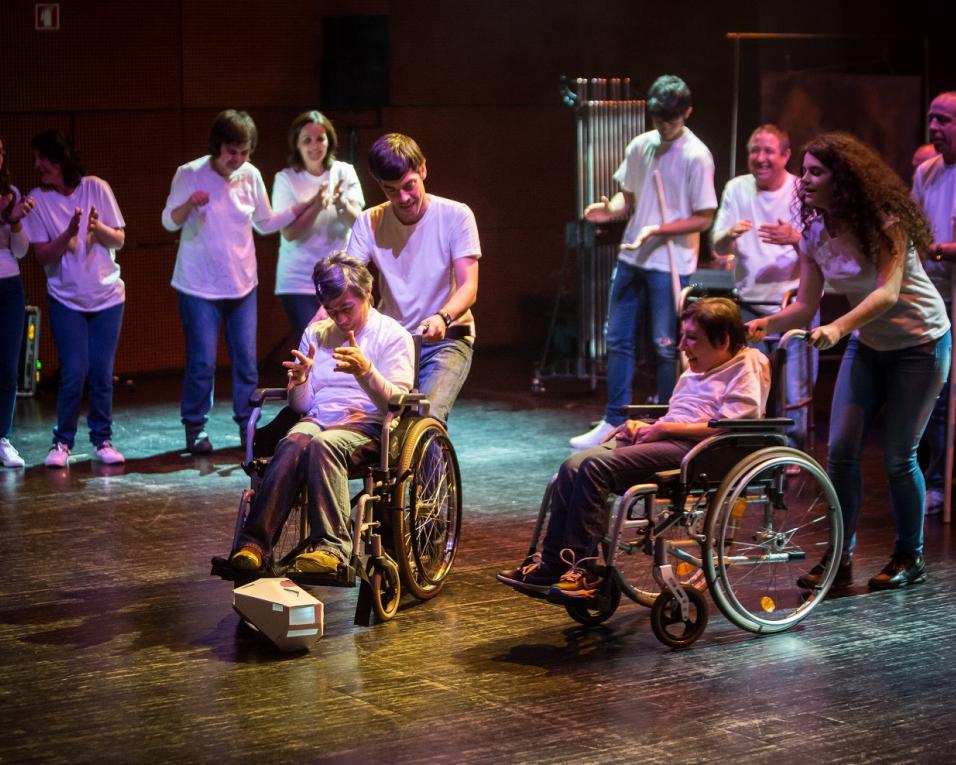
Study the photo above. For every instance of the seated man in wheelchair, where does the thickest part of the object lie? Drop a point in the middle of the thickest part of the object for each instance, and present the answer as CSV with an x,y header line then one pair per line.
x,y
346,369
724,380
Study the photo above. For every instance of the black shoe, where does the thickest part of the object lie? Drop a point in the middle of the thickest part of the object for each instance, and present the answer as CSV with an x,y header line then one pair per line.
x,y
842,581
197,442
532,576
903,569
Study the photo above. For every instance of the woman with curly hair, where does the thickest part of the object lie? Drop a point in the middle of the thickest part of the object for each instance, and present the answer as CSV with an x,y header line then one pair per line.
x,y
861,236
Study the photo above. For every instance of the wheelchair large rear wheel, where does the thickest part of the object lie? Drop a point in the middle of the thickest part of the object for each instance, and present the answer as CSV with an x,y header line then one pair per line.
x,y
634,561
429,493
775,516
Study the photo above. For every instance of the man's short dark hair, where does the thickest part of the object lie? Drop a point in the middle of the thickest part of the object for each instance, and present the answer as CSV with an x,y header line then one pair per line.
x,y
232,126
393,155
720,320
668,98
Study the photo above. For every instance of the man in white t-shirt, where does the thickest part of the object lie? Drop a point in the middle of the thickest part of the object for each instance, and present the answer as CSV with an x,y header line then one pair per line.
x,y
934,189
755,231
426,250
641,287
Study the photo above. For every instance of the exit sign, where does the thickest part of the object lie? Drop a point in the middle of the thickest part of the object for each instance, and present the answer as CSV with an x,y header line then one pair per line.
x,y
47,17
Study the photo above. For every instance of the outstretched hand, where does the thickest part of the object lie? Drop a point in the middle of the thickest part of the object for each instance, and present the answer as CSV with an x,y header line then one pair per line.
x,y
351,359
780,232
299,369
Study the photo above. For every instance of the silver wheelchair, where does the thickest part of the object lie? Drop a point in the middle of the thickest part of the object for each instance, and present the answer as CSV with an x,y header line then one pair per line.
x,y
744,517
405,521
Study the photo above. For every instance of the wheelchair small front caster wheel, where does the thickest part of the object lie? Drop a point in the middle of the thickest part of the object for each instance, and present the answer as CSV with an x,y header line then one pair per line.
x,y
386,588
670,627
596,611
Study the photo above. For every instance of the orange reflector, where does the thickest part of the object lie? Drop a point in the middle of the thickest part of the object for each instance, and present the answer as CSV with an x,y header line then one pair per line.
x,y
767,604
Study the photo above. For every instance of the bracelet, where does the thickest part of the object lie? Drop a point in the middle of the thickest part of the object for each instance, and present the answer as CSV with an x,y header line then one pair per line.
x,y
445,317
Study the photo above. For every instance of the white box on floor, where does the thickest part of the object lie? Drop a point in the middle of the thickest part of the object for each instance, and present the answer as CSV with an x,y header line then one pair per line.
x,y
280,609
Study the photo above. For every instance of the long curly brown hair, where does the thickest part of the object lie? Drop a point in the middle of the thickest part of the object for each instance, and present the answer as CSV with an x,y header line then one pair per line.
x,y
865,193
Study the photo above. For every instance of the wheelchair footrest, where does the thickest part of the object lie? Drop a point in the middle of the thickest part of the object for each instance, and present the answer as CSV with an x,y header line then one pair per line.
x,y
345,577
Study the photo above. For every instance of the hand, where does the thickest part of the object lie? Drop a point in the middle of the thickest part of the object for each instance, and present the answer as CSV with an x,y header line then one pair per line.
x,y
642,236
94,219
757,330
740,228
432,328
599,212
199,198
656,431
780,232
19,211
825,336
351,359
73,227
300,368
333,198
625,433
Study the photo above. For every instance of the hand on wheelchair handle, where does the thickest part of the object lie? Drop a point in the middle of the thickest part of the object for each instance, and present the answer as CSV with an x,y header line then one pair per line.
x,y
825,336
298,370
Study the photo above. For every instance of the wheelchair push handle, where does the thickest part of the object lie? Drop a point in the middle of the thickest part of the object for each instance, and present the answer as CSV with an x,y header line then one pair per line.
x,y
261,395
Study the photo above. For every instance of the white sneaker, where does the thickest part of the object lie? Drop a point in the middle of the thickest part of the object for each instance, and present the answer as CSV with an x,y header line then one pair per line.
x,y
594,437
9,455
935,499
59,455
107,454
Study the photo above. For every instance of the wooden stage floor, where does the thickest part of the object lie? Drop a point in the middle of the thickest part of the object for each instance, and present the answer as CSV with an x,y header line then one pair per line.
x,y
117,646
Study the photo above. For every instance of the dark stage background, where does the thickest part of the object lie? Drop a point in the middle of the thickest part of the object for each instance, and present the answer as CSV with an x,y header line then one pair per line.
x,y
475,81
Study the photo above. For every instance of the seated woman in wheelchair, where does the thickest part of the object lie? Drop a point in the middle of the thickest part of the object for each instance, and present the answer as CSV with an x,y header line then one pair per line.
x,y
346,369
724,380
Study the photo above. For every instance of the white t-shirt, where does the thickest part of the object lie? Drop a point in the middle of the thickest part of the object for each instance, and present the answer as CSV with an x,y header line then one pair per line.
x,y
687,174
919,314
736,389
331,398
12,246
87,277
217,256
934,189
763,272
416,262
329,233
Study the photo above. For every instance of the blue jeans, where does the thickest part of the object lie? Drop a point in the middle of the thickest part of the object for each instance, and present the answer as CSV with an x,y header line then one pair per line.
x,y
299,309
319,460
201,321
935,437
800,379
904,384
11,339
578,512
638,295
442,371
86,342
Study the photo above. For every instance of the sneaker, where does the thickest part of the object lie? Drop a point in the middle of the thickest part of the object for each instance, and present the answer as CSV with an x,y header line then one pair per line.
x,y
59,455
533,575
903,569
9,455
198,442
577,583
594,437
107,454
842,581
317,562
935,499
246,558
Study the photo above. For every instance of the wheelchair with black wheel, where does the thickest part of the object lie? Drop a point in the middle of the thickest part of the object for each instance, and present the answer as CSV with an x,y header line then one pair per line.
x,y
745,517
405,521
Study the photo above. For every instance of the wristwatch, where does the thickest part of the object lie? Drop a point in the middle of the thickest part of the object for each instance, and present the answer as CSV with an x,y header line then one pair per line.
x,y
446,317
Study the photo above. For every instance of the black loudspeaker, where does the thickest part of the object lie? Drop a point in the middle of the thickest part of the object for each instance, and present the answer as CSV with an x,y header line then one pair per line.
x,y
354,72
28,373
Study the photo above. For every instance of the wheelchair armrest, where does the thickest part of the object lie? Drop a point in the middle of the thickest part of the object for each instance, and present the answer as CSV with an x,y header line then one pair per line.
x,y
400,400
637,411
261,395
762,425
